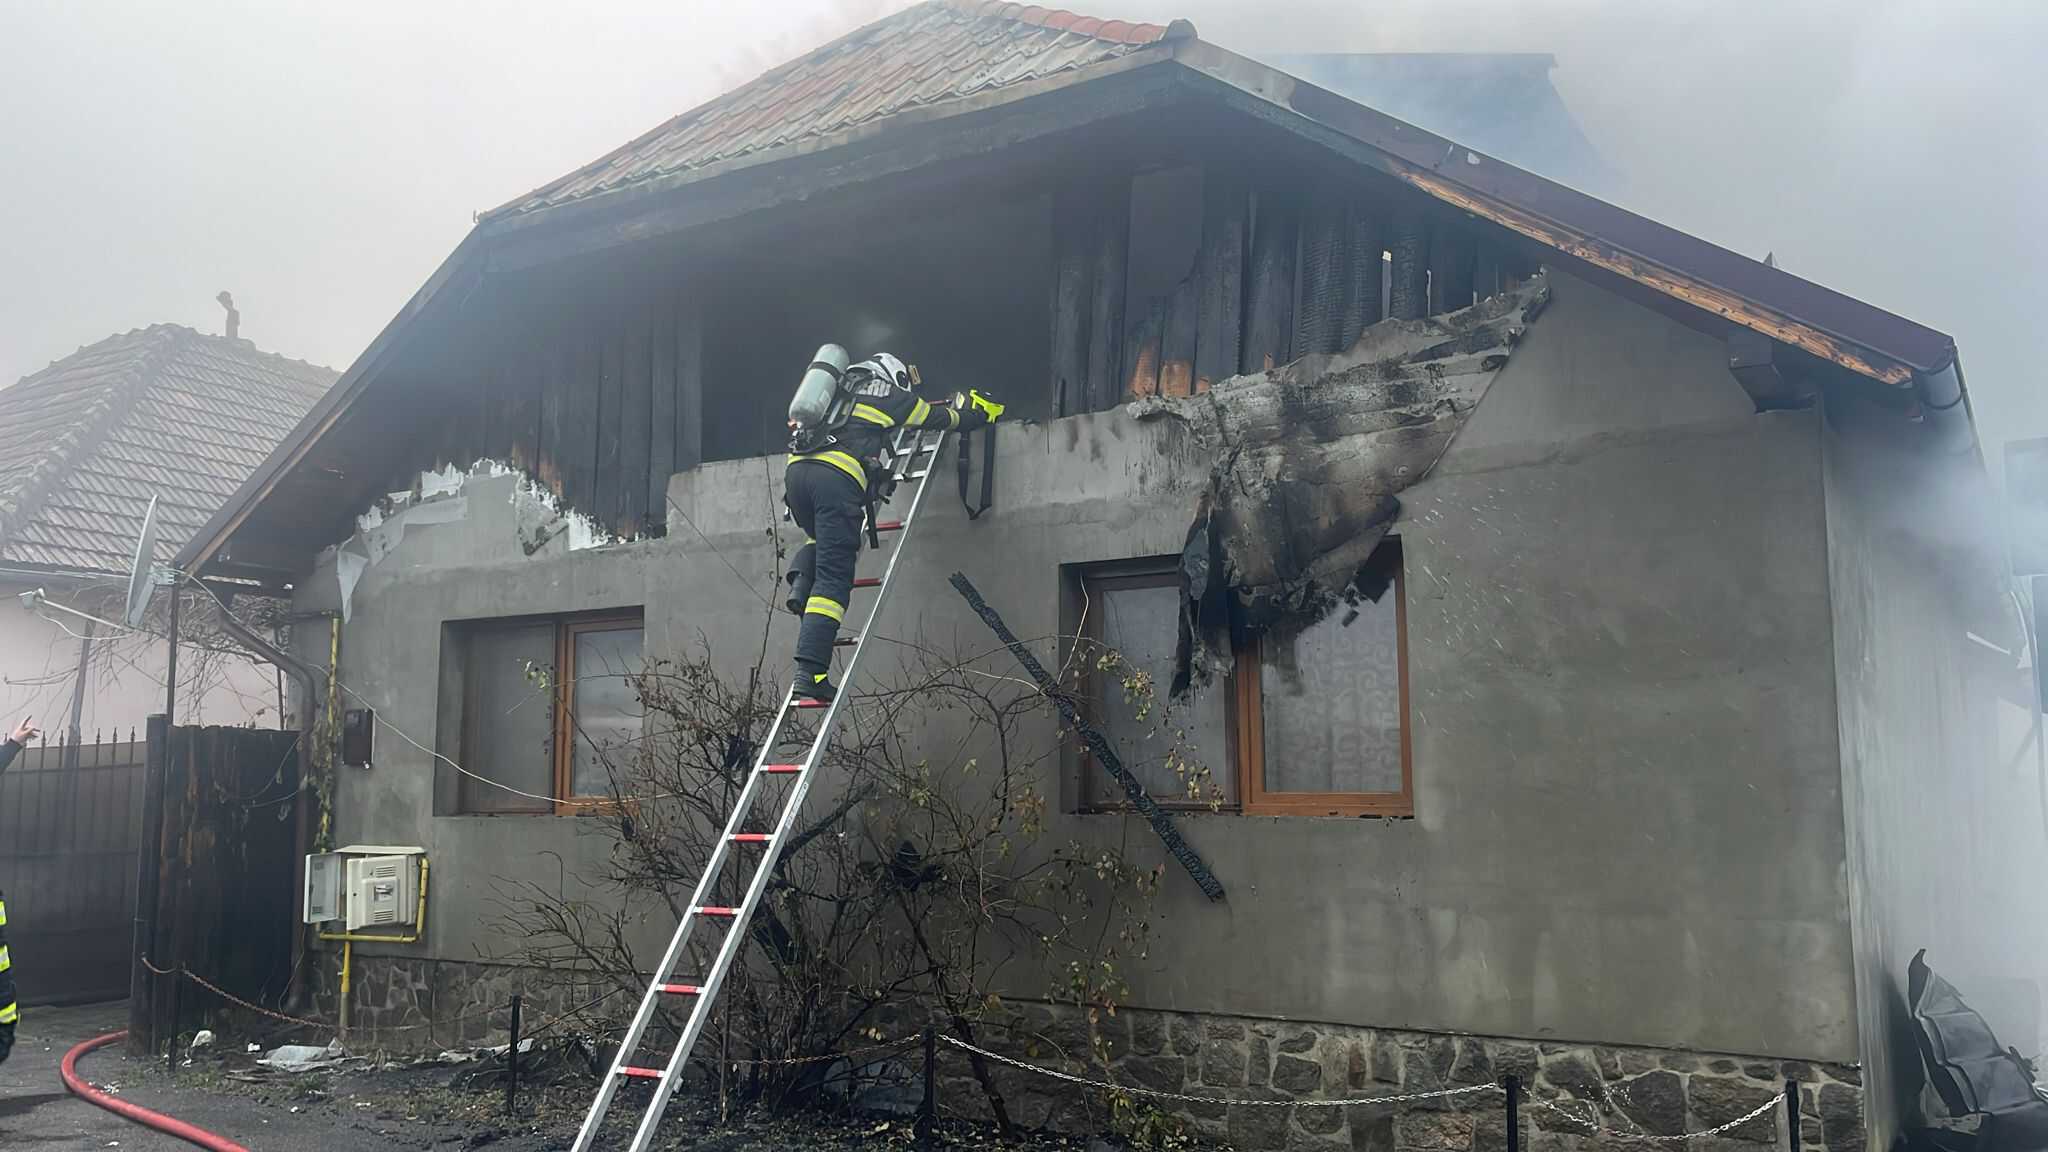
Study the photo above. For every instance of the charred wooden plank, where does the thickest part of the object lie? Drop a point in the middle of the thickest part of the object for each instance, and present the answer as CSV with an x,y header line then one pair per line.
x,y
1364,268
635,409
1141,352
1318,310
1165,244
529,380
580,410
1219,335
1162,824
605,502
1486,270
1269,294
690,381
1177,340
1106,301
1408,292
1074,226
661,412
1450,269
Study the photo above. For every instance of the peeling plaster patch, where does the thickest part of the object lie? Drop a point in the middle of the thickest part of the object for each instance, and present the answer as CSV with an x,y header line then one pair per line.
x,y
442,497
542,519
1309,458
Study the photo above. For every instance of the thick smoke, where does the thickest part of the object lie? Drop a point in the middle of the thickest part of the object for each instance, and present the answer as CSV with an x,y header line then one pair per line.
x,y
1887,149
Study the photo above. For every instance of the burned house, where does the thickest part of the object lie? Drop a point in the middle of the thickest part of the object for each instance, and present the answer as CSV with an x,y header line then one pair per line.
x,y
1668,715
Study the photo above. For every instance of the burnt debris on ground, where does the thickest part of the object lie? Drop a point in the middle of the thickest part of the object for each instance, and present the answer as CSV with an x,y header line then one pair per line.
x,y
456,1100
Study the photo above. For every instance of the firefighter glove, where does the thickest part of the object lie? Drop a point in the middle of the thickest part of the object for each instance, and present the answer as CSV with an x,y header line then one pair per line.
x,y
975,400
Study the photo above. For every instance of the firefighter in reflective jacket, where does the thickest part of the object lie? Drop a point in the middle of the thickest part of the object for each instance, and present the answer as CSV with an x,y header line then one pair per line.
x,y
9,1012
830,486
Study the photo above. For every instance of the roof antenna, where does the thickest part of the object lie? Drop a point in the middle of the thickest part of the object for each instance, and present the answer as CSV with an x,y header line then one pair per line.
x,y
227,301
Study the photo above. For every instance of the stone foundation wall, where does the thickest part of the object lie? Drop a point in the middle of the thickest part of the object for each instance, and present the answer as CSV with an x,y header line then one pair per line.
x,y
409,1004
1638,1091
404,1004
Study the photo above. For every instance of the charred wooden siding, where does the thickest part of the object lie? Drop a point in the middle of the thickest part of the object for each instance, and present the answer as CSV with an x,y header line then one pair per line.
x,y
589,384
1222,274
1111,283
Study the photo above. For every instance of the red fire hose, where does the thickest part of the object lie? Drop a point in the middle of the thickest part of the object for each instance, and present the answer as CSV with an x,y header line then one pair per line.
x,y
143,1116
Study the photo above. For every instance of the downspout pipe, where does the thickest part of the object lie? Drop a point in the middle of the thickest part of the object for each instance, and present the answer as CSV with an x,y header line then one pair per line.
x,y
1942,404
314,681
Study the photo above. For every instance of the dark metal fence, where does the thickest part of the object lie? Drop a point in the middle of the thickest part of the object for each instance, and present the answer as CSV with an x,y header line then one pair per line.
x,y
70,827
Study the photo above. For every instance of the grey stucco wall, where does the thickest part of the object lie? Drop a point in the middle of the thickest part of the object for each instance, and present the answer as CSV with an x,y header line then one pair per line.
x,y
1941,774
1628,821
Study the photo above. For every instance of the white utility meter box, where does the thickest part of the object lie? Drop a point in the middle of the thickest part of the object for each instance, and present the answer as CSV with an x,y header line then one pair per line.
x,y
364,886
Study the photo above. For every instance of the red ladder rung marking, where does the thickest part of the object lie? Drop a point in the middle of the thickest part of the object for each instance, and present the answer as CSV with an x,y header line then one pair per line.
x,y
717,910
752,837
809,703
845,641
867,582
782,769
889,526
642,1073
681,989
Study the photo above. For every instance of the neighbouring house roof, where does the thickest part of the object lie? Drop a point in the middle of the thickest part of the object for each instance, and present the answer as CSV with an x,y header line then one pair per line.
x,y
948,63
162,411
924,55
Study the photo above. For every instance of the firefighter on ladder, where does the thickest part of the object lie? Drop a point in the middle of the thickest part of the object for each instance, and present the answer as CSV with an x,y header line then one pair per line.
x,y
836,477
9,1013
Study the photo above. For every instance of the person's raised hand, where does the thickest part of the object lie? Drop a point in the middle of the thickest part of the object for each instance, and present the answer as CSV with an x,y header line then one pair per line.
x,y
25,731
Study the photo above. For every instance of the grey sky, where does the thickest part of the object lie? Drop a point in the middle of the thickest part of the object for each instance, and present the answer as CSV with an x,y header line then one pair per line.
x,y
320,159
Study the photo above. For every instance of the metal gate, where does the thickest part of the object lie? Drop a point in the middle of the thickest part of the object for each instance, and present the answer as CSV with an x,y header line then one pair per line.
x,y
70,828
216,912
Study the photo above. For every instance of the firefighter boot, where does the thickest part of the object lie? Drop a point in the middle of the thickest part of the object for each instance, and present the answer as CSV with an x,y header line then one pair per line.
x,y
813,685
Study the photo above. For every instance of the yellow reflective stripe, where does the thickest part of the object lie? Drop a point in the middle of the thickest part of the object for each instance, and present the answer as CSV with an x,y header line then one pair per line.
x,y
918,413
821,605
3,913
874,415
952,417
9,1014
6,961
842,461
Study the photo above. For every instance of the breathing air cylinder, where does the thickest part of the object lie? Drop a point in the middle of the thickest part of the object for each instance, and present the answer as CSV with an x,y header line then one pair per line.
x,y
811,407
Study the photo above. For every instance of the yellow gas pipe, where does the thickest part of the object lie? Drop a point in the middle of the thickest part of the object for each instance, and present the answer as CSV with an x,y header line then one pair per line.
x,y
349,940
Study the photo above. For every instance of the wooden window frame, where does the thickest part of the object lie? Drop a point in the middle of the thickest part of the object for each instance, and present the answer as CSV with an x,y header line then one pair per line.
x,y
567,629
1122,575
561,732
1251,751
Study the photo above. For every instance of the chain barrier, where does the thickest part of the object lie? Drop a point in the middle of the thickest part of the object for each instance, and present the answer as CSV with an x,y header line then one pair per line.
x,y
1594,1126
1133,1090
548,1023
890,1046
322,1025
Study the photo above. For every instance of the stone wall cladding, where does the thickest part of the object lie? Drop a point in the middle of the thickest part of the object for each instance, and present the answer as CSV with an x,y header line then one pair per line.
x,y
404,1004
1639,1091
407,1004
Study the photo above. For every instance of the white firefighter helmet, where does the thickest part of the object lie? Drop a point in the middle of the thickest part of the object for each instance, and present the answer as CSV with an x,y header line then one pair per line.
x,y
889,367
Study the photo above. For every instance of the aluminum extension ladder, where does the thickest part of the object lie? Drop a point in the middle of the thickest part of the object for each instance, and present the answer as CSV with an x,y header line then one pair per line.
x,y
912,454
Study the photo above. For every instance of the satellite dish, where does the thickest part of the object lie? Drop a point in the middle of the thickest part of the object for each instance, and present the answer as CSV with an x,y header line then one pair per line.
x,y
142,573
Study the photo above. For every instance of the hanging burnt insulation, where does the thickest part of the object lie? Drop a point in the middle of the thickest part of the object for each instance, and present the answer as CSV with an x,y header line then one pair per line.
x,y
1310,459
